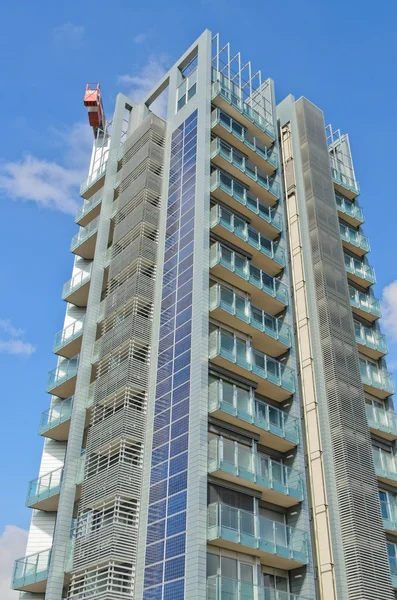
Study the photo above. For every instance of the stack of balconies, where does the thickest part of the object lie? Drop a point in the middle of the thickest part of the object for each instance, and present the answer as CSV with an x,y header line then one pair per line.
x,y
250,385
105,534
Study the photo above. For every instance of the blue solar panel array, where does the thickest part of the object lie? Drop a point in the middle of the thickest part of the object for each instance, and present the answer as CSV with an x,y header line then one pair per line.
x,y
166,532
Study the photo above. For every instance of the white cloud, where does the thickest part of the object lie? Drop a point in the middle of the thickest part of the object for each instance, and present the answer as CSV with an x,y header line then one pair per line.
x,y
12,545
389,309
140,38
48,183
141,82
13,344
68,34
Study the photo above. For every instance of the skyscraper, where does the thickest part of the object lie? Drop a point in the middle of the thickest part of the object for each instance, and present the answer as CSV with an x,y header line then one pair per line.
x,y
221,424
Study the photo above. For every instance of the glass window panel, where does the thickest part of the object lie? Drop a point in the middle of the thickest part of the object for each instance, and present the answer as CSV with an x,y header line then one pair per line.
x,y
227,392
243,400
228,567
213,564
246,573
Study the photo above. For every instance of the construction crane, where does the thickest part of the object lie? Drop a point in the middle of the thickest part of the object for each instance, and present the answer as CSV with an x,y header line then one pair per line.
x,y
93,101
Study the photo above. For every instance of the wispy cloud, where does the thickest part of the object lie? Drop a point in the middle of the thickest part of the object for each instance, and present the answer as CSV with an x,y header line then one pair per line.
x,y
12,545
140,82
140,38
13,344
68,34
389,310
49,183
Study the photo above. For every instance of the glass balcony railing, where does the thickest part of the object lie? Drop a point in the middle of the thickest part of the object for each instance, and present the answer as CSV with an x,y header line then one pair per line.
x,y
383,420
76,282
244,165
220,179
238,351
393,571
242,229
219,117
84,233
243,108
345,181
364,302
241,403
65,370
68,334
371,338
242,267
89,205
352,209
254,531
93,178
359,269
44,487
376,377
31,569
240,306
238,460
224,588
386,469
354,237
55,415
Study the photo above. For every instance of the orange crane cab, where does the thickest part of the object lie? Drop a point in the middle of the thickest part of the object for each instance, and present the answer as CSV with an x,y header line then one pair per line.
x,y
93,101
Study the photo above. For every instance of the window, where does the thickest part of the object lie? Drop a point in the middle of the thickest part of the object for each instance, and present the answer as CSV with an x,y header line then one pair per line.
x,y
186,90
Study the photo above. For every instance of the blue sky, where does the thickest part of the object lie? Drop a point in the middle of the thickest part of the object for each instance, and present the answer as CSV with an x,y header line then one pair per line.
x,y
343,60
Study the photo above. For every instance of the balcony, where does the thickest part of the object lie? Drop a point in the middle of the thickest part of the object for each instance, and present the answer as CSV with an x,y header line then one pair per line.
x,y
370,342
261,216
55,421
223,98
393,571
386,473
273,378
238,464
364,305
382,422
76,289
67,342
276,544
31,572
345,185
266,292
376,381
238,406
224,588
94,182
236,135
266,253
359,272
350,212
90,209
268,334
354,240
84,242
43,492
231,160
62,380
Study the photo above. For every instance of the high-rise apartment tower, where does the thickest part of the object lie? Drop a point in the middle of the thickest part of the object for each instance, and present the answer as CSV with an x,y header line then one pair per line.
x,y
220,423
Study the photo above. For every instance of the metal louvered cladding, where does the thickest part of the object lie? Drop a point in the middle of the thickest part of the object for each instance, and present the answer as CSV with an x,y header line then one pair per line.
x,y
107,523
361,529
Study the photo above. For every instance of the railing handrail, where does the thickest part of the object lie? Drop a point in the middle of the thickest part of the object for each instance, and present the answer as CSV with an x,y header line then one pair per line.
x,y
61,337
63,408
260,592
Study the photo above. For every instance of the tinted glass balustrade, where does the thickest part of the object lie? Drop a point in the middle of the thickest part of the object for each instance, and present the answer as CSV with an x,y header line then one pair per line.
x,y
385,464
84,233
345,180
354,237
66,369
370,338
232,97
55,415
372,375
240,461
68,334
238,351
379,418
246,166
352,209
31,569
225,588
240,306
359,268
76,282
219,117
44,487
242,403
364,302
242,229
89,204
240,265
240,193
254,531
